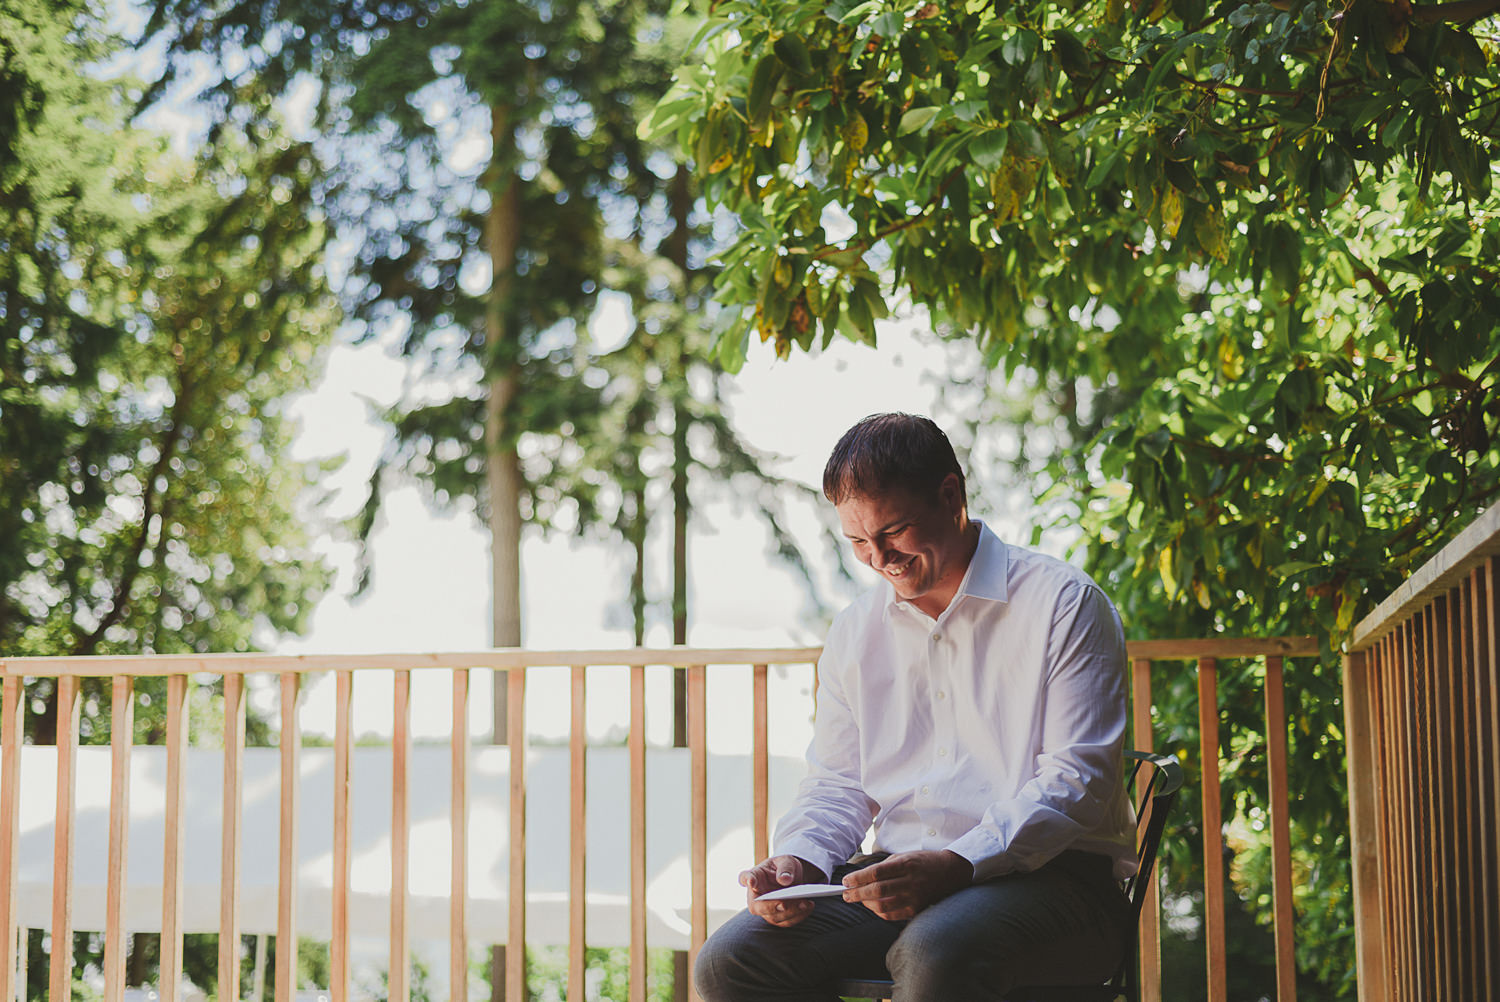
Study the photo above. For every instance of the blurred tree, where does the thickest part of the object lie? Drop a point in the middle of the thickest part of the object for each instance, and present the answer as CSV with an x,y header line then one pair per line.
x,y
155,311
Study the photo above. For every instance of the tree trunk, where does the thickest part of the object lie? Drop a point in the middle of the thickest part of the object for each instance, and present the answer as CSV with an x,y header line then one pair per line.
x,y
502,466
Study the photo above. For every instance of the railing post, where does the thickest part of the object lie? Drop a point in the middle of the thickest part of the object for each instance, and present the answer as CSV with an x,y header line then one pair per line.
x,y
1149,932
515,951
636,987
697,726
12,727
122,727
398,980
60,980
338,945
286,893
1365,848
578,833
1281,839
1213,829
169,980
458,814
230,837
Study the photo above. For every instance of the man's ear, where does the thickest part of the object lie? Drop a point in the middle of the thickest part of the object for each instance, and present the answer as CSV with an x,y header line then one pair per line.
x,y
951,494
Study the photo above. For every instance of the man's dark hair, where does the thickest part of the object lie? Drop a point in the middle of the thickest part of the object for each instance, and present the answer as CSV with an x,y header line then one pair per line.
x,y
890,451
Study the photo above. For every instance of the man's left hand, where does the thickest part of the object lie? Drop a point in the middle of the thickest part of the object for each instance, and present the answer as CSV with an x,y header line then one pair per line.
x,y
901,885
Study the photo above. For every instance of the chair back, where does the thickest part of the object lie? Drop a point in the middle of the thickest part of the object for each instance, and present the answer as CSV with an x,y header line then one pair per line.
x,y
1153,794
1153,791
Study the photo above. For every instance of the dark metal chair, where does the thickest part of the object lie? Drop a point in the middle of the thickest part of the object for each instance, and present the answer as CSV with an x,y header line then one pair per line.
x,y
1158,788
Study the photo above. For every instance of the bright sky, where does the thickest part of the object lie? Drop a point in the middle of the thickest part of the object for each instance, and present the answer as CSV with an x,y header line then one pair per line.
x,y
431,568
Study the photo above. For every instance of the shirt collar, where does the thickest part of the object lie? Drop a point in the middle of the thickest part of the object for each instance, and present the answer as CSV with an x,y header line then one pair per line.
x,y
987,576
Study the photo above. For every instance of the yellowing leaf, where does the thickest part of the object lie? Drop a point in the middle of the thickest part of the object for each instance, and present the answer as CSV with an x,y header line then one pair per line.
x,y
855,132
720,162
1171,211
1200,592
1164,567
1231,362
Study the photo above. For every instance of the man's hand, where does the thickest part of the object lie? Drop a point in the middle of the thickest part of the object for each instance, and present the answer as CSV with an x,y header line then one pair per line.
x,y
902,885
779,871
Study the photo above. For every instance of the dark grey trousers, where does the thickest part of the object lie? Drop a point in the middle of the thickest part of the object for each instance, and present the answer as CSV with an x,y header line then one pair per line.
x,y
1066,923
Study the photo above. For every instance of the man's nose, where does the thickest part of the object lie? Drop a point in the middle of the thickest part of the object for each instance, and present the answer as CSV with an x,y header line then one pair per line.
x,y
879,553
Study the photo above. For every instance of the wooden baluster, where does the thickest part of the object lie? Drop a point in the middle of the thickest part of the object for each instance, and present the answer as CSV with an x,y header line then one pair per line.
x,y
231,836
1281,836
398,985
458,822
761,781
1213,830
286,891
121,737
697,713
343,739
1361,725
12,729
169,980
515,953
1149,933
577,834
1406,810
636,990
1487,659
61,967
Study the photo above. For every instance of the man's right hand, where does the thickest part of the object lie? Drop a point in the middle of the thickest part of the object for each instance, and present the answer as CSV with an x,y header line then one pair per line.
x,y
779,871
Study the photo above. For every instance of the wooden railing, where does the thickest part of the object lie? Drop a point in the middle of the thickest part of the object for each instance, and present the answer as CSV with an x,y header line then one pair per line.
x,y
515,665
1421,684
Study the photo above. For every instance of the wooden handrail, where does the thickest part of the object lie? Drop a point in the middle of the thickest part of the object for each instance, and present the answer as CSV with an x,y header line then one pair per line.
x,y
1444,572
520,658
498,659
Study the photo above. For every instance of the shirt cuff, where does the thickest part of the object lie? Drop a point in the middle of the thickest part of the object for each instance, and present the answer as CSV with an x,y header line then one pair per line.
x,y
985,854
809,852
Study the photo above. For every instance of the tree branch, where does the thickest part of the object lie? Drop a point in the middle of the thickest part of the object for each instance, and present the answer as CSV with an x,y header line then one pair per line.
x,y
149,501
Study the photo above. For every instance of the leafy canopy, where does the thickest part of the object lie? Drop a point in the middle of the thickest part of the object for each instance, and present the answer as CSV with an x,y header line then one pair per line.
x,y
1260,238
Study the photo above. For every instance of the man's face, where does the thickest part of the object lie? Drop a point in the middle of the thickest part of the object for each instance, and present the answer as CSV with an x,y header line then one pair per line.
x,y
920,545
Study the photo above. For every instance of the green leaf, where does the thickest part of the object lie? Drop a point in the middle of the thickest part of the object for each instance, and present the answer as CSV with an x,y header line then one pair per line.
x,y
890,24
792,51
917,119
1103,169
988,148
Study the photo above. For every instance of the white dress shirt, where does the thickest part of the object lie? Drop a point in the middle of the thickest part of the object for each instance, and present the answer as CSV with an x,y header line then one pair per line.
x,y
994,731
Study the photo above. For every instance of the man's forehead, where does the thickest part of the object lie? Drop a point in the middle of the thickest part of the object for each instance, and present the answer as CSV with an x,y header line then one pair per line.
x,y
886,506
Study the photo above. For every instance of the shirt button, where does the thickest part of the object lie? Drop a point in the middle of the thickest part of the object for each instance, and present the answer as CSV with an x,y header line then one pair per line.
x,y
924,790
942,751
937,636
942,695
932,832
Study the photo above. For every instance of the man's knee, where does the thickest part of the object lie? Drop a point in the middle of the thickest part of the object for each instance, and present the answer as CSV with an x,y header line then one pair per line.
x,y
735,961
941,961
714,972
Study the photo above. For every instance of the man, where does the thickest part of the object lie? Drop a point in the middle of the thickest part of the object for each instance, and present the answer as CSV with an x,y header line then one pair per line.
x,y
972,708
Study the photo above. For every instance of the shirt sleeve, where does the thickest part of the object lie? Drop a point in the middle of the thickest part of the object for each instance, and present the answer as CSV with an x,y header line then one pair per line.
x,y
831,812
1079,767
